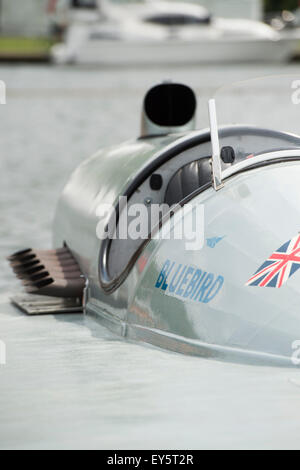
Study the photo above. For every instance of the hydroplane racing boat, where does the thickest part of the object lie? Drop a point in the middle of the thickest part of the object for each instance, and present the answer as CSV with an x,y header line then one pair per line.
x,y
187,240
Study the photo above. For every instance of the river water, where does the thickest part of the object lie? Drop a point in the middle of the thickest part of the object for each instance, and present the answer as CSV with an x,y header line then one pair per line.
x,y
68,382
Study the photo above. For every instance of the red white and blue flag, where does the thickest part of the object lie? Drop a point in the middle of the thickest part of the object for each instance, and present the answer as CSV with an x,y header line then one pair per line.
x,y
279,267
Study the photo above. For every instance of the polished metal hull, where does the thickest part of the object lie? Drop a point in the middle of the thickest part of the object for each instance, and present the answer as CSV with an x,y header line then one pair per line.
x,y
227,319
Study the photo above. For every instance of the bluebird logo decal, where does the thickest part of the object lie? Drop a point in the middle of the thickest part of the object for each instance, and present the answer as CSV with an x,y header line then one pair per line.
x,y
212,242
279,267
188,282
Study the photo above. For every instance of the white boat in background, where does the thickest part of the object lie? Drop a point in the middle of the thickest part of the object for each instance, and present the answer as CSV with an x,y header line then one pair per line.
x,y
160,32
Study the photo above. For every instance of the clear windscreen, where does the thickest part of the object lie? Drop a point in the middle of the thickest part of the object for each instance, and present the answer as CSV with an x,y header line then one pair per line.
x,y
265,112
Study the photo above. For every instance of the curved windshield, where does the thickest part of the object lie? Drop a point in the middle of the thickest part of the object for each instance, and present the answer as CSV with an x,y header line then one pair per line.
x,y
265,112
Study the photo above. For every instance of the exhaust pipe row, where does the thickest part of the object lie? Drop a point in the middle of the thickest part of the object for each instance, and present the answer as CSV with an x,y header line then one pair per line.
x,y
53,273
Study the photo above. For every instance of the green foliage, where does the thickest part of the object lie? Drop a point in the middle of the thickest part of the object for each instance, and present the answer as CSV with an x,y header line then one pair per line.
x,y
24,47
278,5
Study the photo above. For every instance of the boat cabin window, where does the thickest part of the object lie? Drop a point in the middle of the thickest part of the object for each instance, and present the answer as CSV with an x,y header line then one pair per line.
x,y
88,4
167,19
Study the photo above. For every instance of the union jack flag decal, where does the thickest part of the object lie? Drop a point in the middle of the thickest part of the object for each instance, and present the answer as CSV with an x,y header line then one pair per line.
x,y
279,267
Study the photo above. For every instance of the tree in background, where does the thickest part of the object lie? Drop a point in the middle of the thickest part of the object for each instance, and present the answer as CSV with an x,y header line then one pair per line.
x,y
279,5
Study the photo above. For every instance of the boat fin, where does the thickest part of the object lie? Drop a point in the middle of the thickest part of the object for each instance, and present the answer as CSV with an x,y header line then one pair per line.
x,y
43,305
53,273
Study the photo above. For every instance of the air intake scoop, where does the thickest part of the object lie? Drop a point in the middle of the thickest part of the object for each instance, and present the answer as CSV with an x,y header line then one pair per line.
x,y
168,108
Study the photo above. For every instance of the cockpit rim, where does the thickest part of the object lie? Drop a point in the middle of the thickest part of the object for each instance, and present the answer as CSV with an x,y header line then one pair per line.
x,y
108,284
